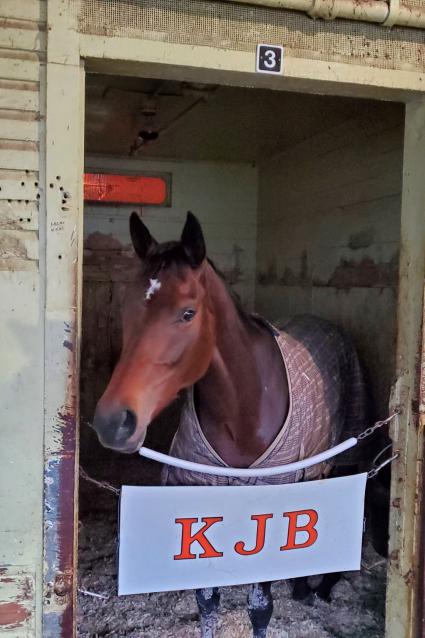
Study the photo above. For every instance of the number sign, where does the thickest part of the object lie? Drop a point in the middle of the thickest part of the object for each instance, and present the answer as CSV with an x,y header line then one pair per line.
x,y
189,537
269,58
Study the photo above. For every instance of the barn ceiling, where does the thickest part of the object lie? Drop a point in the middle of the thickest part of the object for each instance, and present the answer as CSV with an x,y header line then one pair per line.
x,y
164,119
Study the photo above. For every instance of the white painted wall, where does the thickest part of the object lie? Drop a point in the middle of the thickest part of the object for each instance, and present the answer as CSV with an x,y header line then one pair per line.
x,y
223,195
329,234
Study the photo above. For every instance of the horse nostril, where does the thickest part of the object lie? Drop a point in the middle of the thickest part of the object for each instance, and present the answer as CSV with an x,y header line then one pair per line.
x,y
115,429
127,427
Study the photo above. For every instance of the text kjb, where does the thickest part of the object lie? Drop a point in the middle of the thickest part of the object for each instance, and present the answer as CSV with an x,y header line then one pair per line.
x,y
209,551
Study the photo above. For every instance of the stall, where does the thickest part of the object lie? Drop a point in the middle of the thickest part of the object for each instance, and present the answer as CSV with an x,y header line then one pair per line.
x,y
308,183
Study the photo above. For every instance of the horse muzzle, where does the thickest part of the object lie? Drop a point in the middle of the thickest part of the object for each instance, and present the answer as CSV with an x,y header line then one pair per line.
x,y
117,430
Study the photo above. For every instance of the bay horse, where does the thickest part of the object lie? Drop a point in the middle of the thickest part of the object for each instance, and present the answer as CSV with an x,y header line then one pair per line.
x,y
256,396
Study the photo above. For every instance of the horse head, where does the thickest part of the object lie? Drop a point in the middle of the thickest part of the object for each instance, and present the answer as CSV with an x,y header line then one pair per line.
x,y
168,335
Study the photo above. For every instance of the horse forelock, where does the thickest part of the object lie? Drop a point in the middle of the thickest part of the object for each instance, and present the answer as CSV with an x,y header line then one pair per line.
x,y
169,256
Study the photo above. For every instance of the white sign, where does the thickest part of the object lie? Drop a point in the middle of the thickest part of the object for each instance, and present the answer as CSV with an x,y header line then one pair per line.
x,y
190,537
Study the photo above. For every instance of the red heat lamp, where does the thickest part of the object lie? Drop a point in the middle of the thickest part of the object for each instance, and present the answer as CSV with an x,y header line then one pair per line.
x,y
125,189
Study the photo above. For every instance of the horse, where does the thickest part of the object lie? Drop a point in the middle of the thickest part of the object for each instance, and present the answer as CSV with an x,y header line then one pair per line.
x,y
256,396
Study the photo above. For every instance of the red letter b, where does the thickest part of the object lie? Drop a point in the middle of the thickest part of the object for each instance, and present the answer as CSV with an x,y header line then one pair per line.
x,y
293,528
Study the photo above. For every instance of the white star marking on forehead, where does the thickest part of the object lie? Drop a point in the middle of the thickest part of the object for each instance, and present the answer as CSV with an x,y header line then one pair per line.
x,y
154,286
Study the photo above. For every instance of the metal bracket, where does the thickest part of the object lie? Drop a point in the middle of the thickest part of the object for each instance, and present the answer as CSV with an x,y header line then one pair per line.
x,y
393,12
377,468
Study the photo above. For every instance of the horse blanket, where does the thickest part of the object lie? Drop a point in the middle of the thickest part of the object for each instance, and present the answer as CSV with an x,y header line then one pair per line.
x,y
327,405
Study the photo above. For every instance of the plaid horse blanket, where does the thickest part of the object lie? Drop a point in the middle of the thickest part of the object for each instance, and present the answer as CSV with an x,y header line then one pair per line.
x,y
327,405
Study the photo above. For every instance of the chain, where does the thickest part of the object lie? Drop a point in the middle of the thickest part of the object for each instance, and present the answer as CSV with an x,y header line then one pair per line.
x,y
86,592
103,484
377,425
368,432
377,468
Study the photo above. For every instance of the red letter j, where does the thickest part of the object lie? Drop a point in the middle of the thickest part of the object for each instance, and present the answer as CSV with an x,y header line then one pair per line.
x,y
260,538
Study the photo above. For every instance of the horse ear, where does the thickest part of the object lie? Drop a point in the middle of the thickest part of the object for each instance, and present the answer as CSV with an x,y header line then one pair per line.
x,y
140,236
193,241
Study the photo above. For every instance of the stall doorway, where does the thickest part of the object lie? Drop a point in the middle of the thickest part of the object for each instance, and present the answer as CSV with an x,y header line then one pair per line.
x,y
299,197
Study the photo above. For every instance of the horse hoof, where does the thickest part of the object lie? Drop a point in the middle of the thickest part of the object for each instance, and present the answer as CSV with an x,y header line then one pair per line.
x,y
324,592
323,595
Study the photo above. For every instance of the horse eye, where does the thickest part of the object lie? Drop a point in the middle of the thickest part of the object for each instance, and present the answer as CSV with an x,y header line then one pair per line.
x,y
187,315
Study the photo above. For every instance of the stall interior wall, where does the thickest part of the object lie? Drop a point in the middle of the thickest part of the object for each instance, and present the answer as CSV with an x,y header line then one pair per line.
x,y
329,232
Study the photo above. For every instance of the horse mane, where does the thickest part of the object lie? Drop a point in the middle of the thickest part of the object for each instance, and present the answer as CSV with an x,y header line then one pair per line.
x,y
170,253
249,317
237,302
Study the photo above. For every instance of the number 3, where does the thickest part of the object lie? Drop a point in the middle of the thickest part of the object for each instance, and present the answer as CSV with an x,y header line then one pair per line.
x,y
270,59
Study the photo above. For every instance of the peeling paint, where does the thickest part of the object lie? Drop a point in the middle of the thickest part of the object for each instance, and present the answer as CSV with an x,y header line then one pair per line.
x,y
59,534
363,274
289,277
234,274
12,247
17,598
59,502
13,615
348,274
362,239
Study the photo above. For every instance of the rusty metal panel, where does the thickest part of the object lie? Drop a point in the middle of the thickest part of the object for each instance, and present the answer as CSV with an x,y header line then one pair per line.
x,y
17,602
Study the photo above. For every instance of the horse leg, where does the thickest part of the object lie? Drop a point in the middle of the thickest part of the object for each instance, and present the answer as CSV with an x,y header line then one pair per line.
x,y
208,600
325,588
260,608
301,588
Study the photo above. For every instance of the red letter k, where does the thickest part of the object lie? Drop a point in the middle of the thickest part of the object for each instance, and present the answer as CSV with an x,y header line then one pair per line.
x,y
188,538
